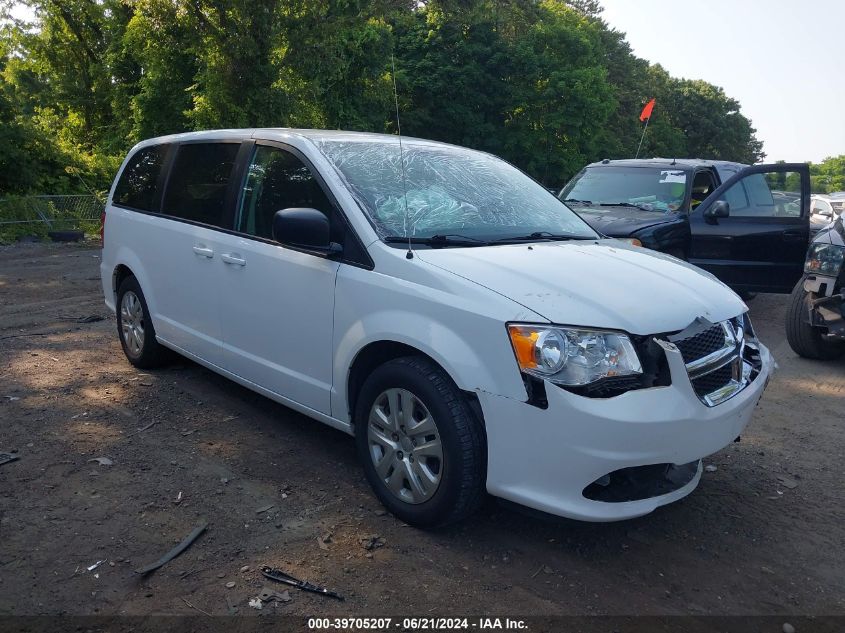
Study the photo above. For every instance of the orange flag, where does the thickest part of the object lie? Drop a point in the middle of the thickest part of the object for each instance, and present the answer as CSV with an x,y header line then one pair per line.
x,y
646,113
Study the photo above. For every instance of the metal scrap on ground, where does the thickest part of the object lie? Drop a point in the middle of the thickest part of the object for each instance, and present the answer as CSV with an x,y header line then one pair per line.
x,y
91,318
280,576
5,458
175,551
268,595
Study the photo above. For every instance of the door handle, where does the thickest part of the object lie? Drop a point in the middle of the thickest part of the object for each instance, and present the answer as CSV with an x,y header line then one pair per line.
x,y
204,251
793,236
233,258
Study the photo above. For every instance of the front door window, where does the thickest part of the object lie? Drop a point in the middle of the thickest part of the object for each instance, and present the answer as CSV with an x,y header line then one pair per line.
x,y
279,180
765,195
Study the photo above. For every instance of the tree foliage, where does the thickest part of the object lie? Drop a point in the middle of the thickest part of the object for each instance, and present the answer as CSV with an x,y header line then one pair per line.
x,y
829,175
546,84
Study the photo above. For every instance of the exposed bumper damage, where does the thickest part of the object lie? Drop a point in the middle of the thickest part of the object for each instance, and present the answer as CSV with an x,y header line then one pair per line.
x,y
829,312
605,459
642,482
828,309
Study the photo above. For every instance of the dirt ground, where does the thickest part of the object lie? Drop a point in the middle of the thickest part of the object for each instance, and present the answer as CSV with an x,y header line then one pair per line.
x,y
763,534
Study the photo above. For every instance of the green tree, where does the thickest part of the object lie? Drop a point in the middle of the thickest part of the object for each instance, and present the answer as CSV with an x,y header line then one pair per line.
x,y
560,98
711,122
451,73
334,61
546,84
829,175
234,82
160,41
522,80
31,159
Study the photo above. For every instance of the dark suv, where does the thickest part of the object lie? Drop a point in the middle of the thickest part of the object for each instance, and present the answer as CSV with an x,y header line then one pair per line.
x,y
749,226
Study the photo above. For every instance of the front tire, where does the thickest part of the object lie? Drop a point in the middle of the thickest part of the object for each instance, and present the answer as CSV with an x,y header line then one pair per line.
x,y
422,448
135,328
804,339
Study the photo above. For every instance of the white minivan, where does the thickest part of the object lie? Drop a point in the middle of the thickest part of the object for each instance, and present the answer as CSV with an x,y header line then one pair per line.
x,y
469,329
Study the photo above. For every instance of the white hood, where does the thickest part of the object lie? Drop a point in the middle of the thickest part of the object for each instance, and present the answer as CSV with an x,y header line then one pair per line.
x,y
602,284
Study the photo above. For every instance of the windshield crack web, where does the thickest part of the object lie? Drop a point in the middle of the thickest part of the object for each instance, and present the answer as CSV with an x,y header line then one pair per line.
x,y
449,190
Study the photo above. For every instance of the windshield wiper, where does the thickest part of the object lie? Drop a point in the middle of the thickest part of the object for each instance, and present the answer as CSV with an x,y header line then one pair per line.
x,y
624,204
543,236
574,201
448,239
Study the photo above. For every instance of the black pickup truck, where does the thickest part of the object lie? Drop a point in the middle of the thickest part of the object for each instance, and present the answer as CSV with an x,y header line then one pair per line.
x,y
748,225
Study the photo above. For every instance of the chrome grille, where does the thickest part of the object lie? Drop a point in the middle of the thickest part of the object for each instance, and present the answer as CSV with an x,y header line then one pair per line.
x,y
721,359
715,380
700,345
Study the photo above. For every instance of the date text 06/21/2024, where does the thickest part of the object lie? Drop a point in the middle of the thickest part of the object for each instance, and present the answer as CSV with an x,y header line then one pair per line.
x,y
416,624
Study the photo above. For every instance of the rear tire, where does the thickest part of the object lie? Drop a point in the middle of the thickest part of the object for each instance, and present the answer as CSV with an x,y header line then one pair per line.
x,y
135,328
66,236
804,339
446,481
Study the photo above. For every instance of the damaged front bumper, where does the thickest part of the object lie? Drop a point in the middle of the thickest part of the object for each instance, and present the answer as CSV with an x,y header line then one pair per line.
x,y
827,310
563,459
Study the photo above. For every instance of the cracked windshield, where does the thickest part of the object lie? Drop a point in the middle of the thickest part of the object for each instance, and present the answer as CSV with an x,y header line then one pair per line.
x,y
648,189
450,193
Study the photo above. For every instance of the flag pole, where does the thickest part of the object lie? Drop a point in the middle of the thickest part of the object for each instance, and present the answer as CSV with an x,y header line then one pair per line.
x,y
642,137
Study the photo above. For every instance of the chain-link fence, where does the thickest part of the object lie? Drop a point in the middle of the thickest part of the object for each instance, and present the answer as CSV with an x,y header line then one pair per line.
x,y
38,216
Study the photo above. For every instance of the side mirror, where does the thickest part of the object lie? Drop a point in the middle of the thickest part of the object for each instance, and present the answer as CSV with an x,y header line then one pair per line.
x,y
719,209
826,213
306,230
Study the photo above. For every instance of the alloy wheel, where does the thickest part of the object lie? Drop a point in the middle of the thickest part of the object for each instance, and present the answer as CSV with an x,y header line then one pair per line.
x,y
132,322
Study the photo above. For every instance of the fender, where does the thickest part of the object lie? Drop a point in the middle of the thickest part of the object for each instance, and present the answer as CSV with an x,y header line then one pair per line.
x,y
443,331
461,325
449,349
126,257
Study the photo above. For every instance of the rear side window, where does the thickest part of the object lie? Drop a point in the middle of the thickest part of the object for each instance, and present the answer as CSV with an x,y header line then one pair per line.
x,y
198,182
137,185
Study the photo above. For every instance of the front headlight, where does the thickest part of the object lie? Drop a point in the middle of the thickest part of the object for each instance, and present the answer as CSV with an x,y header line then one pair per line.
x,y
573,356
824,259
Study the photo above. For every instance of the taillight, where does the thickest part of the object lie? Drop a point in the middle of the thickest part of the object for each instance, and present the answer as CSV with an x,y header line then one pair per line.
x,y
103,229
